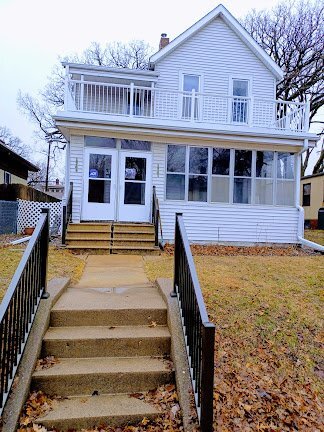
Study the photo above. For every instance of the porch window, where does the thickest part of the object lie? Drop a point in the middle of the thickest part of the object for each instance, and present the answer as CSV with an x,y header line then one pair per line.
x,y
264,177
135,145
198,174
7,178
242,177
240,102
220,175
190,82
306,194
176,172
285,179
95,141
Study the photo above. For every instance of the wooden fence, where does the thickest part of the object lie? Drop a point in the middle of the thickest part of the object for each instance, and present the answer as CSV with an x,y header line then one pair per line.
x,y
12,192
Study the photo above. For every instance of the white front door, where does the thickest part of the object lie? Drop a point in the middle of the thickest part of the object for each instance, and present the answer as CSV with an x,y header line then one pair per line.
x,y
135,180
99,197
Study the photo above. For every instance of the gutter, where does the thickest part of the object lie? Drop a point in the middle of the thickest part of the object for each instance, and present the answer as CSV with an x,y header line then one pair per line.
x,y
300,231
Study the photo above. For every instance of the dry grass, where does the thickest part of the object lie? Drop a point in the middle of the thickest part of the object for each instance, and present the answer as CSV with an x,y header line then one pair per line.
x,y
60,263
268,313
316,236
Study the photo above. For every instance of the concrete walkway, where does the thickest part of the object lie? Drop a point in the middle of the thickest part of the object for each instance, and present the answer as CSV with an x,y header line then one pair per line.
x,y
110,335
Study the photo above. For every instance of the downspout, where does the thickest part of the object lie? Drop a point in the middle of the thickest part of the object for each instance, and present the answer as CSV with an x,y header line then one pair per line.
x,y
300,229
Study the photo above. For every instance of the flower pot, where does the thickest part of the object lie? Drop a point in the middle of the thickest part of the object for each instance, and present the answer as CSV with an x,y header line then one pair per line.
x,y
29,230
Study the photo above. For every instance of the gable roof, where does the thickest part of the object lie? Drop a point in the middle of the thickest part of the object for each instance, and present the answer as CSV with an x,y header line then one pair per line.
x,y
232,22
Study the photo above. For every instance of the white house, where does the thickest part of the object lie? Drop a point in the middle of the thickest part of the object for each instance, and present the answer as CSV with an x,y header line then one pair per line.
x,y
202,125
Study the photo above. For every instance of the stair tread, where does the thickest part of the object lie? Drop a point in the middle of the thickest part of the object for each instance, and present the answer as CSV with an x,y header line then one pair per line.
x,y
105,332
124,298
103,365
155,248
97,407
83,246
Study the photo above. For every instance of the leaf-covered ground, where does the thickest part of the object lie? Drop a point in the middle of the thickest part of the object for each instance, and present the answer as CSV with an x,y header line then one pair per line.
x,y
61,262
316,236
269,364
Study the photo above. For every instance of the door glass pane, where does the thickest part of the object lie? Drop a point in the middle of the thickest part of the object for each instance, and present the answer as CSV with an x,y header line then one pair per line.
x,y
175,187
99,166
99,191
134,193
264,164
221,161
243,163
176,159
242,191
135,168
198,160
197,188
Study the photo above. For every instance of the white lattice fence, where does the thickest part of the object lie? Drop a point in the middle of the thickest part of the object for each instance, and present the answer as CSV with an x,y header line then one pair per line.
x,y
29,213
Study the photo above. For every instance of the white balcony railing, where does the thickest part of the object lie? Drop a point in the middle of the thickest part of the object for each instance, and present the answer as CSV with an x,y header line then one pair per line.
x,y
155,103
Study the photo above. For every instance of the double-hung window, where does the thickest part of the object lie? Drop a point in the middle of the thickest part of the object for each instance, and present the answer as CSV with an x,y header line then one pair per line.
x,y
7,178
198,173
264,177
285,179
190,105
306,194
176,172
220,187
240,93
242,177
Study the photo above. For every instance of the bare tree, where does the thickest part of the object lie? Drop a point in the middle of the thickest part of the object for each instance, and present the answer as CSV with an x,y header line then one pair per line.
x,y
292,34
14,142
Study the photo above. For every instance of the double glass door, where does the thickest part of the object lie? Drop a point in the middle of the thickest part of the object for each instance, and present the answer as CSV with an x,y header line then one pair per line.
x,y
117,185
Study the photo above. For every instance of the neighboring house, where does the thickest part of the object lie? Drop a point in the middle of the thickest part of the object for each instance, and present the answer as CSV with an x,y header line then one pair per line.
x,y
312,198
55,189
13,167
202,126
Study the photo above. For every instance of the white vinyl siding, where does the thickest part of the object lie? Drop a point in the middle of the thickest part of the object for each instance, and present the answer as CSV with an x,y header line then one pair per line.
x,y
217,53
217,222
76,174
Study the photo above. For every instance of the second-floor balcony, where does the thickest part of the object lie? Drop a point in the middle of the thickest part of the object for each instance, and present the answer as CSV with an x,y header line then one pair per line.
x,y
160,106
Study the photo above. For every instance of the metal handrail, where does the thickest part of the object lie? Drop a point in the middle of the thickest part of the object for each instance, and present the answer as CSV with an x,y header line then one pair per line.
x,y
20,303
198,331
67,213
156,220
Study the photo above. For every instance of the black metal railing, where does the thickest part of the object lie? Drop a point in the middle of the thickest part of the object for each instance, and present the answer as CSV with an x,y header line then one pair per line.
x,y
198,331
20,303
156,220
67,212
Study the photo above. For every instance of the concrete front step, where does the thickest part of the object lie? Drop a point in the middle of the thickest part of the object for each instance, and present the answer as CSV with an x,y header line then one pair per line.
x,y
71,377
86,412
131,304
95,341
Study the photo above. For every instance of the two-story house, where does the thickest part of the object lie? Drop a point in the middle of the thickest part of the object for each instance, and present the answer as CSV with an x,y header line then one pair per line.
x,y
202,125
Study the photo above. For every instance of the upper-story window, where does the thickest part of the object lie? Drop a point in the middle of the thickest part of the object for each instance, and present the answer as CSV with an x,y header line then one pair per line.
x,y
240,93
7,178
189,83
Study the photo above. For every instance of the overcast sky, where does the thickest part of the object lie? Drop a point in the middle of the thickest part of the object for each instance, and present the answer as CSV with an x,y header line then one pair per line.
x,y
34,33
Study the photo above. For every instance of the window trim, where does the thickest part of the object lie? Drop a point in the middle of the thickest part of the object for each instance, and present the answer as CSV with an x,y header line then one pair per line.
x,y
249,79
182,74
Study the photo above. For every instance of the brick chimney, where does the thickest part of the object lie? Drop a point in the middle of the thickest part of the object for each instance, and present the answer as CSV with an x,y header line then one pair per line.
x,y
164,41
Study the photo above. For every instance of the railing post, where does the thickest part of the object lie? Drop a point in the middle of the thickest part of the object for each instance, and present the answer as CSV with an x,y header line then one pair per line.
x,y
250,105
176,256
131,100
64,224
44,252
306,114
152,98
81,93
207,377
192,107
66,88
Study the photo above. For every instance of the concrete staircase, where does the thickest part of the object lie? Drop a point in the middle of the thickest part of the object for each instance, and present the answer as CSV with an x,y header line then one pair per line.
x,y
110,336
114,237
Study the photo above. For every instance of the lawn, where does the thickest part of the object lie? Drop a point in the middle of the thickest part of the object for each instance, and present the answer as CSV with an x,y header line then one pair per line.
x,y
269,364
60,263
316,236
